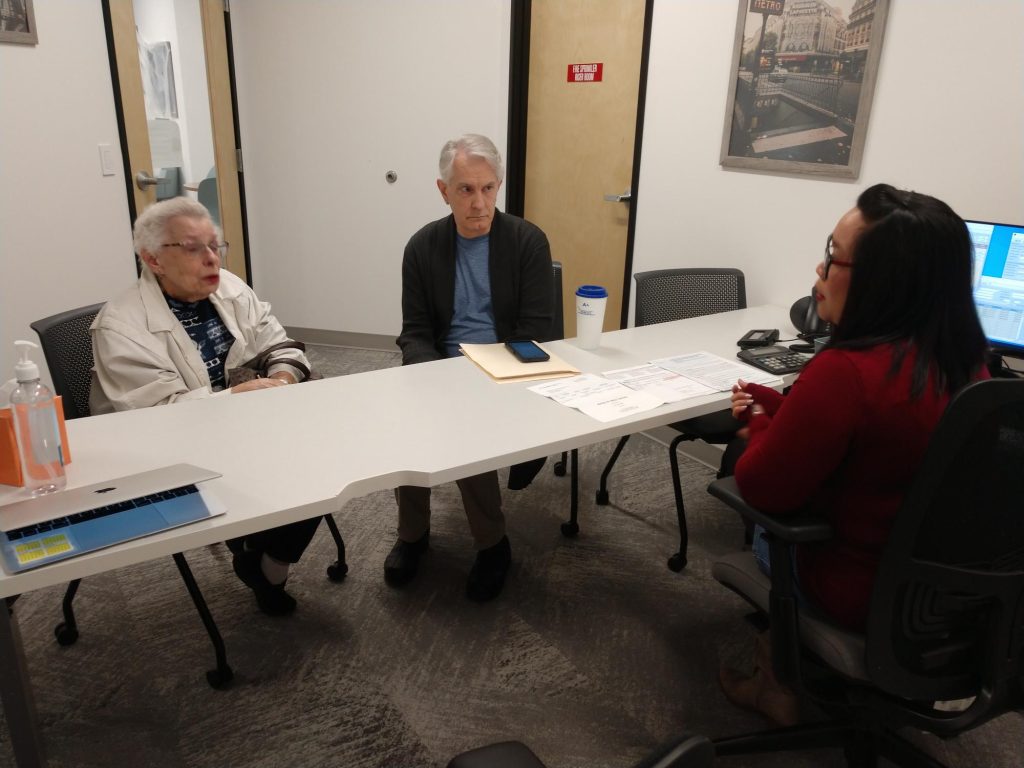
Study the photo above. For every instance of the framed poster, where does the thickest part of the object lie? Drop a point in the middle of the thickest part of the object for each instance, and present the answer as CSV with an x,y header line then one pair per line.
x,y
17,22
801,83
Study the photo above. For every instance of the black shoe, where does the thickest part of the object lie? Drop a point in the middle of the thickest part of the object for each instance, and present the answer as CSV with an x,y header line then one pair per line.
x,y
487,576
271,598
403,560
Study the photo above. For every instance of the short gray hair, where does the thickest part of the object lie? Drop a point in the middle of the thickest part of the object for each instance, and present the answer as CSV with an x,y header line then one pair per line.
x,y
151,226
471,145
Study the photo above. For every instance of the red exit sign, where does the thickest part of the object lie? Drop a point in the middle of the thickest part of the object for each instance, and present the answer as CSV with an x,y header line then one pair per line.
x,y
585,73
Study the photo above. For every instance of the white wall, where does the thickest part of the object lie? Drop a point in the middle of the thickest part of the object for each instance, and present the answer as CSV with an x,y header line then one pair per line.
x,y
947,120
65,237
328,231
331,96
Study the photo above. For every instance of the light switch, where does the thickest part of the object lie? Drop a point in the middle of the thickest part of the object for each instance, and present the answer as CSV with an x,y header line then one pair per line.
x,y
108,160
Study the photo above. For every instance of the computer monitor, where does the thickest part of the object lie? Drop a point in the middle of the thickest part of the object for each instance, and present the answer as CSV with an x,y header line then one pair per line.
x,y
999,283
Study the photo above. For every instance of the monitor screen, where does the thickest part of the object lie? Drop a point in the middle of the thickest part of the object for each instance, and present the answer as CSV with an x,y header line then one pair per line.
x,y
999,283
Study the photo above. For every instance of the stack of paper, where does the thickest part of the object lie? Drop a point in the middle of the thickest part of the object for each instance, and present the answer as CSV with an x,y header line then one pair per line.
x,y
599,398
501,365
619,393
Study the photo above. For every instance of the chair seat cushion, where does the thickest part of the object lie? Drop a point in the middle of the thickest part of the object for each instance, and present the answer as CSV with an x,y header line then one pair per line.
x,y
716,428
505,754
841,649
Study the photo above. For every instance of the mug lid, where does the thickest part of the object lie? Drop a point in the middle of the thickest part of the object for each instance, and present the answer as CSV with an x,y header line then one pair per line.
x,y
592,292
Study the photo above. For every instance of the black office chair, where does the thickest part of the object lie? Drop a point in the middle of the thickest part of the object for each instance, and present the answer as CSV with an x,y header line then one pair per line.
x,y
684,752
67,348
674,294
946,619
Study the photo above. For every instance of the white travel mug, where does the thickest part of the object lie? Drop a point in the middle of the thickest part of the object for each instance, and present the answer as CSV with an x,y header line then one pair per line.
x,y
590,303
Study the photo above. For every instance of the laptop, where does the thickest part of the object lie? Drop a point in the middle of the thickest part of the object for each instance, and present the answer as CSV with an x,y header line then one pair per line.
x,y
45,529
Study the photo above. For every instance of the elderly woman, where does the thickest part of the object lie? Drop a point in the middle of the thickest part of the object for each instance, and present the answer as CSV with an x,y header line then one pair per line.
x,y
175,335
895,283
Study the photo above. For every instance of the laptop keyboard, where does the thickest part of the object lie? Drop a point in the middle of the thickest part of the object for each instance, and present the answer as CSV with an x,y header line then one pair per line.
x,y
110,509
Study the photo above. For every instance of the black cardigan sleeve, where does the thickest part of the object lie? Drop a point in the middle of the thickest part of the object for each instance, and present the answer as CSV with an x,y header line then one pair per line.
x,y
536,292
421,268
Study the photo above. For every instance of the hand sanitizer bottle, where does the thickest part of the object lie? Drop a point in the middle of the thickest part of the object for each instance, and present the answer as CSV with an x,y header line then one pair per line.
x,y
35,422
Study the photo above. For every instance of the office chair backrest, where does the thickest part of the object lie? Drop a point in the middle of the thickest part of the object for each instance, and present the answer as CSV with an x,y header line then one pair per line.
x,y
946,619
67,348
207,195
675,294
558,318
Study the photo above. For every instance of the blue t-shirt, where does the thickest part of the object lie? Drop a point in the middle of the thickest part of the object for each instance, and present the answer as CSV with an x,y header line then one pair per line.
x,y
211,337
473,317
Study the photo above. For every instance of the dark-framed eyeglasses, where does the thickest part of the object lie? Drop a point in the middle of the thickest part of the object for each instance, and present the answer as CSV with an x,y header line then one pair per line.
x,y
199,249
830,259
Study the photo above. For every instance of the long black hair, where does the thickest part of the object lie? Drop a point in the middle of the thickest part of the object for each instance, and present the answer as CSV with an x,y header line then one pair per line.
x,y
911,286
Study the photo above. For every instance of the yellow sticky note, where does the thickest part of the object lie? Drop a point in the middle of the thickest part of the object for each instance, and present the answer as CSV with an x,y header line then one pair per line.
x,y
56,544
29,551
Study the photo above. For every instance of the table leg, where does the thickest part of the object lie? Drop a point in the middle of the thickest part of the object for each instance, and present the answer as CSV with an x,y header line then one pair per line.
x,y
16,693
572,527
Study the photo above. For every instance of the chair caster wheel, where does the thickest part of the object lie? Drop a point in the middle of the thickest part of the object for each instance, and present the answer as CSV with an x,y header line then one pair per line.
x,y
65,635
602,498
677,562
220,679
570,530
337,572
559,469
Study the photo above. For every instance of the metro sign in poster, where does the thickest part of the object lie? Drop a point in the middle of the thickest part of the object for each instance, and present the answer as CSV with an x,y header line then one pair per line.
x,y
585,73
770,7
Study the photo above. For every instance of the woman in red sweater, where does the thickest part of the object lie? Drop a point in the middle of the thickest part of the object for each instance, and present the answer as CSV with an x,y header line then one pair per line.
x,y
895,284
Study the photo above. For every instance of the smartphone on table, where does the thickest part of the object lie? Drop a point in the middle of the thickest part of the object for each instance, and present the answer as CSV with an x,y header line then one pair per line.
x,y
527,351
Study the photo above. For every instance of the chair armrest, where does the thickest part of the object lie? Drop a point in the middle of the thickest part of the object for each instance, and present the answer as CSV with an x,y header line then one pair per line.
x,y
795,529
782,533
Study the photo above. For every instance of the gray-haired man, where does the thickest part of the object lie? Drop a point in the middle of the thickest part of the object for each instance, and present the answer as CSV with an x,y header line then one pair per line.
x,y
475,276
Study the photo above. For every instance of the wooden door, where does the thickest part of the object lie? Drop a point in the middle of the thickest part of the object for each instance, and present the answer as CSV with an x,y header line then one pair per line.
x,y
144,146
580,139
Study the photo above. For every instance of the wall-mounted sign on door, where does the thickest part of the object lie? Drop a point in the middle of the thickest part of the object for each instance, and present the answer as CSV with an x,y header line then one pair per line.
x,y
585,73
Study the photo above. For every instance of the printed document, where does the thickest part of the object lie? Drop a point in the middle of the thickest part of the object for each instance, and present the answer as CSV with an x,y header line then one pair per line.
x,y
597,397
715,372
659,382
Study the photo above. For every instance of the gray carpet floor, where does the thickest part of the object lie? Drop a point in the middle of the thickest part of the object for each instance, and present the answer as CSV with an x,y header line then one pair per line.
x,y
594,653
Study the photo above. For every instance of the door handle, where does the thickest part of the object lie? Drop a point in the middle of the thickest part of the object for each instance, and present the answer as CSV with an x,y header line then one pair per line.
x,y
625,197
143,180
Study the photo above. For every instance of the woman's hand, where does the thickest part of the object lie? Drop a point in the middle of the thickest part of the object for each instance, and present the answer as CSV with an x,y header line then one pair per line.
x,y
249,386
741,400
284,376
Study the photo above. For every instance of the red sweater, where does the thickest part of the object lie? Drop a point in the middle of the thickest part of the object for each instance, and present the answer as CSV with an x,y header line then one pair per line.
x,y
844,443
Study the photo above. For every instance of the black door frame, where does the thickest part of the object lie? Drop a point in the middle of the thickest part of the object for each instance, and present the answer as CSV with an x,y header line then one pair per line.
x,y
518,103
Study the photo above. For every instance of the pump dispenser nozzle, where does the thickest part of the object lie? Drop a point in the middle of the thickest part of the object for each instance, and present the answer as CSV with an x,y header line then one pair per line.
x,y
25,369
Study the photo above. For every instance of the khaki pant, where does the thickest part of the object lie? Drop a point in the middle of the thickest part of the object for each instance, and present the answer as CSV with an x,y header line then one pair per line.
x,y
481,497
